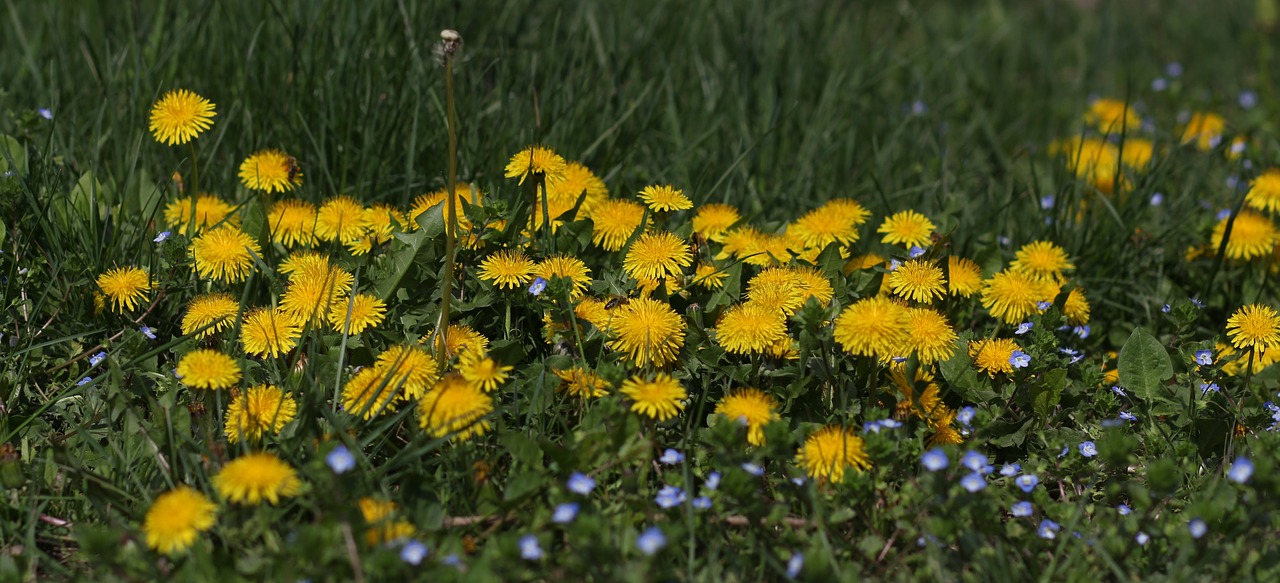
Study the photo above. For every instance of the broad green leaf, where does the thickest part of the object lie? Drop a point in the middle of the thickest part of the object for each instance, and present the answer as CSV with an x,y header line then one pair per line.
x,y
1046,393
1144,365
402,260
13,157
432,221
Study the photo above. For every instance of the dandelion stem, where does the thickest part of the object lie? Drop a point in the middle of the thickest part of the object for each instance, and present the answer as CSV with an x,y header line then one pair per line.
x,y
451,225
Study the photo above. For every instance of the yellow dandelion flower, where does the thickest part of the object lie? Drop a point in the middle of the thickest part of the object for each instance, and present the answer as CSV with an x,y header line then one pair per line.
x,y
917,280
361,312
1013,295
454,407
126,286
1042,259
292,222
225,254
304,262
784,348
1252,235
827,452
737,241
208,369
712,220
614,220
270,171
180,116
313,294
254,477
409,368
537,160
863,262
463,342
582,383
377,225
778,289
462,192
509,268
665,198
99,303
383,528
340,219
263,409
709,276
834,222
594,311
768,249
992,355
1205,129
216,310
269,333
209,211
1255,326
369,393
872,326
176,518
1264,191
648,331
578,179
944,431
907,228
929,335
964,277
657,255
660,398
1136,153
750,407
1076,308
1112,116
485,373
750,328
570,268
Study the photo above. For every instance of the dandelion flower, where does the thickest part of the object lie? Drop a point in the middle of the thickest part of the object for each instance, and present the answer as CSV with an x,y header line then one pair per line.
x,y
777,288
751,407
215,310
485,373
1076,308
944,432
175,519
1252,235
873,326
535,160
1264,191
964,277
369,393
992,355
340,219
254,477
582,383
209,211
709,276
208,369
377,224
660,398
594,311
712,220
225,254
292,222
1013,295
382,527
507,269
917,280
125,286
907,228
1042,259
750,328
260,410
1255,326
409,368
570,268
1136,153
1205,129
270,171
648,331
829,451
362,312
462,191
657,255
665,198
929,335
579,181
1112,116
180,116
454,407
269,333
313,294
300,263
836,221
614,221
463,342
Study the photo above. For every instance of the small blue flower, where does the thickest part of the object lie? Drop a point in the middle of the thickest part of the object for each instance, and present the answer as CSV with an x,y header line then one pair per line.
x,y
1075,355
565,513
1206,387
973,482
1027,482
1082,331
916,251
1248,99
935,460
161,236
1241,470
671,457
1173,69
1166,308
702,503
1197,528
1124,510
1021,509
1197,303
1063,453
1008,470
1204,357
84,381
1157,199
794,564
1119,390
670,497
898,359
798,481
1019,359
1004,241
1127,416
148,332
529,549
1088,449
1048,529
965,415
894,265
713,481
340,460
413,552
1142,539
753,469
1046,202
871,427
580,484
97,358
1159,84
973,460
1043,305
451,560
919,107
1024,327
536,288
651,540
45,113
890,423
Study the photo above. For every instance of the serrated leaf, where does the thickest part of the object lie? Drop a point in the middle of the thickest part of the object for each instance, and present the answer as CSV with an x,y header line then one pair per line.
x,y
1144,365
432,221
401,261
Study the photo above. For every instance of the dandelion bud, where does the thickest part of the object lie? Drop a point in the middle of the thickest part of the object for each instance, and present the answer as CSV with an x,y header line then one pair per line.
x,y
450,43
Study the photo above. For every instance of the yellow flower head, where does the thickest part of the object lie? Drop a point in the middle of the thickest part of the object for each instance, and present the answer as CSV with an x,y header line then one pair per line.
x,y
369,393
836,221
578,179
1255,326
665,198
751,407
750,328
709,276
1252,235
1112,116
125,286
1264,191
907,228
360,312
509,268
254,477
176,518
208,369
485,373
269,333
1205,129
660,398
340,219
874,326
463,342
180,116
712,220
382,527
408,368
304,262
1042,259
917,280
454,407
260,410
216,310
209,211
292,222
313,294
614,220
829,451
225,254
1076,308
929,335
570,268
657,255
992,355
270,171
1013,295
648,331
462,192
536,160
964,277
863,262
377,225
780,289
582,383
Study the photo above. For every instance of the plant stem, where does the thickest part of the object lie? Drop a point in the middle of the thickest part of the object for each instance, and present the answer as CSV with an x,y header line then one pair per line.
x,y
451,206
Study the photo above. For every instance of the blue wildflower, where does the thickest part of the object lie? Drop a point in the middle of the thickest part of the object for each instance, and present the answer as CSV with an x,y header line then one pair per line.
x,y
1157,199
1127,416
965,415
671,457
340,460
536,288
97,358
1119,390
935,460
1173,69
1048,529
753,469
794,564
84,381
916,251
1027,482
1021,509
1088,449
1124,510
45,113
148,332
1159,84
1197,528
1008,470
1043,305
1019,359
1142,538
1166,308
1241,470
565,513
1204,357
702,503
973,460
651,540
894,265
973,482
1206,387
713,481
1024,327
1196,301
529,549
1046,202
580,484
1248,99
161,236
413,552
670,497
1082,331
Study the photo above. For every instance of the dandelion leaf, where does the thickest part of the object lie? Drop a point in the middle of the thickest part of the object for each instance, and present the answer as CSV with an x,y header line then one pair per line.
x,y
1144,365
